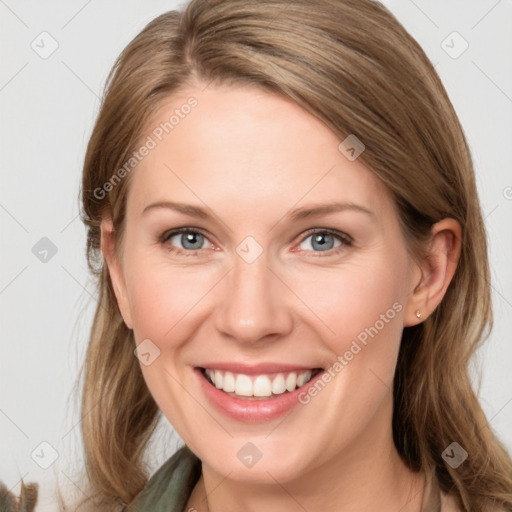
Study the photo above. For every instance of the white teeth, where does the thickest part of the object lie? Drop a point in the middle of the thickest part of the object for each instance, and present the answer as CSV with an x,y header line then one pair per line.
x,y
303,378
278,385
260,385
291,381
229,382
218,379
243,385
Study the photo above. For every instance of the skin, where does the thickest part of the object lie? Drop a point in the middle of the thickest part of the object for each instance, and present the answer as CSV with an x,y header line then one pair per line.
x,y
250,157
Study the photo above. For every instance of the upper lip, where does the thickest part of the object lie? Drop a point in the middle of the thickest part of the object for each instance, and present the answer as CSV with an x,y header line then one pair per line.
x,y
255,369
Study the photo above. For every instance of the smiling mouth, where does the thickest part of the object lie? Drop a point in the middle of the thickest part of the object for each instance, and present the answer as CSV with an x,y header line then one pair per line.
x,y
258,387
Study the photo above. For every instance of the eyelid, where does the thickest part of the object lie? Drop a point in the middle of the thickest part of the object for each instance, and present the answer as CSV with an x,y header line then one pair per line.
x,y
345,237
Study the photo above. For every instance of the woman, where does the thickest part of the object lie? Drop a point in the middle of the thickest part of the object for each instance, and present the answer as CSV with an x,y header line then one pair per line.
x,y
292,269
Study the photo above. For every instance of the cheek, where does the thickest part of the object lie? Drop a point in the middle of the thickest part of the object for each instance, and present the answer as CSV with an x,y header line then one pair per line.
x,y
359,309
162,296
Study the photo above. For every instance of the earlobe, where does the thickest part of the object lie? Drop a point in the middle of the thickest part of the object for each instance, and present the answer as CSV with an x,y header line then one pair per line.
x,y
437,271
115,270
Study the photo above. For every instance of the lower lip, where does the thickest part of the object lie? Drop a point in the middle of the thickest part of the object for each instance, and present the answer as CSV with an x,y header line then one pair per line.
x,y
253,411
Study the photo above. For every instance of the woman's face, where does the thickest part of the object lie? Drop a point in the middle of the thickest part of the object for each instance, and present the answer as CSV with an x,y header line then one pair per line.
x,y
249,288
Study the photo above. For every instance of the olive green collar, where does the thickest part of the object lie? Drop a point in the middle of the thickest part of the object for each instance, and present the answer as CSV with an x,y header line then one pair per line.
x,y
169,489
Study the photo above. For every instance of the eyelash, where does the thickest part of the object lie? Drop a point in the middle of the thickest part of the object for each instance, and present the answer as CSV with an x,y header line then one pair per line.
x,y
343,237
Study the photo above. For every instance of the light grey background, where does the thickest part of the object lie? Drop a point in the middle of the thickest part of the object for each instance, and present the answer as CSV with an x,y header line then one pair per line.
x,y
48,106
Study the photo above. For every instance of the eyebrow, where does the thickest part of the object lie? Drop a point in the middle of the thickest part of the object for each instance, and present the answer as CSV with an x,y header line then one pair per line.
x,y
294,215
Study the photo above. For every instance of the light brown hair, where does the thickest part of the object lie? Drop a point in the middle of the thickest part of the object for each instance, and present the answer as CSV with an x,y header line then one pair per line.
x,y
352,65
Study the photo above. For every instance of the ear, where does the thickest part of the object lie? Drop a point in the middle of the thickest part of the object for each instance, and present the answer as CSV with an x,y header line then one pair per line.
x,y
115,270
432,276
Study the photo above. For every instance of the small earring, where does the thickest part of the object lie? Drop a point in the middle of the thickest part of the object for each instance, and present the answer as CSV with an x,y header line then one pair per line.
x,y
418,314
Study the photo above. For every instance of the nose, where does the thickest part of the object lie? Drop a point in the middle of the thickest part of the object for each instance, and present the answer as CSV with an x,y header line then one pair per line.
x,y
254,303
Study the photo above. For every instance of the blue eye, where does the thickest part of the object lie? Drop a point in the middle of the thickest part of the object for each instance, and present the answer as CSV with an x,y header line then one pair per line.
x,y
322,241
192,241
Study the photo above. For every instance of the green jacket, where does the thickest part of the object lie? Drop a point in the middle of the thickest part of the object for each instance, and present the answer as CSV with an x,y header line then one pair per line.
x,y
169,489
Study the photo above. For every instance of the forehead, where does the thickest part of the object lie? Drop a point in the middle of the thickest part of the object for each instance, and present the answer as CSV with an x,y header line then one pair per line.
x,y
243,145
